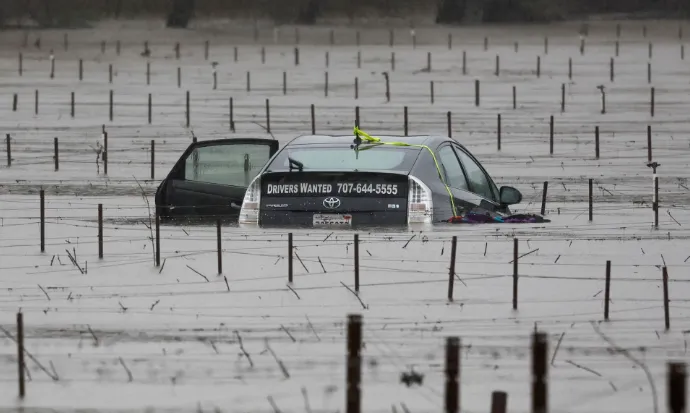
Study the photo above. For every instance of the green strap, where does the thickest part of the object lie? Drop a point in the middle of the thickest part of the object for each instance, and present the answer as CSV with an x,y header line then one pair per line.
x,y
373,140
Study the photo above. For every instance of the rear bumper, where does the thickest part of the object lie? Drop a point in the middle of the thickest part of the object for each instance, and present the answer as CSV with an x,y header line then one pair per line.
x,y
306,219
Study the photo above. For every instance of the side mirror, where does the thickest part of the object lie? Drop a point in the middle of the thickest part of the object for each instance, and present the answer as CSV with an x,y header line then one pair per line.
x,y
510,195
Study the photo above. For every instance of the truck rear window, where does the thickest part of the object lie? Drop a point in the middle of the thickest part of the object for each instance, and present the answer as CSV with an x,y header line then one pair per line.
x,y
379,158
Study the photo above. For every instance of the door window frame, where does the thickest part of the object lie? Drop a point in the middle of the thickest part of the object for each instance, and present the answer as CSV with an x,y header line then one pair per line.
x,y
462,167
492,186
177,172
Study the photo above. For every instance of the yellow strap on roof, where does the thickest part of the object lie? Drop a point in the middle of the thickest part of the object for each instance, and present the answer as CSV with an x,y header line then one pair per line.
x,y
374,140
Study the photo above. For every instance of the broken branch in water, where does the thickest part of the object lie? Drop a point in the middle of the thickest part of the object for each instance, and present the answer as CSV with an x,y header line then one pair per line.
x,y
288,333
295,292
525,254
558,345
129,373
409,240
364,306
579,366
73,258
301,262
312,328
239,341
280,363
307,407
205,278
273,404
44,291
95,339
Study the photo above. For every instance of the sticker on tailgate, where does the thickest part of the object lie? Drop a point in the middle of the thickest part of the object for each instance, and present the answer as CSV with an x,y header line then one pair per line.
x,y
335,189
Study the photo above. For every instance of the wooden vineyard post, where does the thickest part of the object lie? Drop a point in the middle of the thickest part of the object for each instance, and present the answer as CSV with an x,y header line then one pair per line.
x,y
452,402
153,159
514,97
231,114
219,246
354,363
498,132
56,155
20,354
100,231
476,92
649,143
515,273
42,196
290,251
551,127
607,291
667,316
150,105
356,242
656,201
449,124
499,401
105,151
188,111
677,387
591,199
451,272
405,120
158,238
539,373
8,140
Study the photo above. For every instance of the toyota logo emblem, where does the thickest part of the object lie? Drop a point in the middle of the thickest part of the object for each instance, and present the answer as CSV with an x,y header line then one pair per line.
x,y
331,203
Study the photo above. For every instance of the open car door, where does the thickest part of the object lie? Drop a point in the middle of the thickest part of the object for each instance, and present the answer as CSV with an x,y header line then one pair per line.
x,y
210,178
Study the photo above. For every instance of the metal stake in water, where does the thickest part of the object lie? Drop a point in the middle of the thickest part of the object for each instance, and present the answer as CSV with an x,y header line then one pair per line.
x,y
52,65
654,165
655,186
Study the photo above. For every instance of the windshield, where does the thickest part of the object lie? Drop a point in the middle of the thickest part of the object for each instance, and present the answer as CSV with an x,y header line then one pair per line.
x,y
379,158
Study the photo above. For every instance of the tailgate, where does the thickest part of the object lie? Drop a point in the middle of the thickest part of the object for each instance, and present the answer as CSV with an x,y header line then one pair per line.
x,y
334,192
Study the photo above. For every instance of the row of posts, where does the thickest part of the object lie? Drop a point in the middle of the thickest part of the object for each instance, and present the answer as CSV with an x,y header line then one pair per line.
x,y
477,96
312,110
676,373
497,71
451,273
332,40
